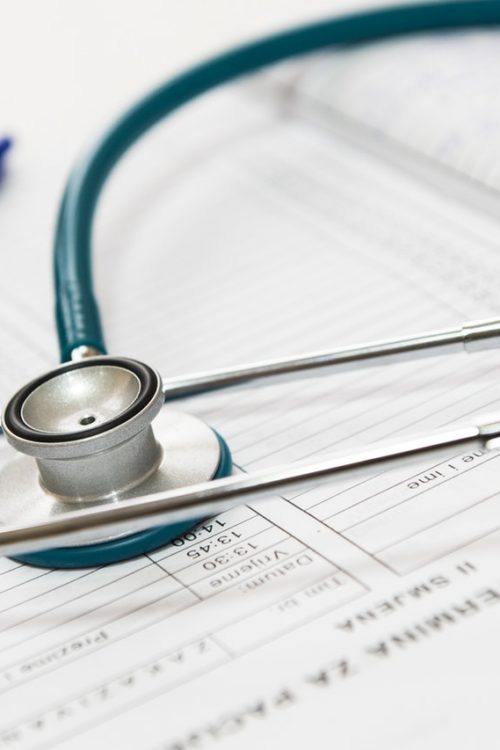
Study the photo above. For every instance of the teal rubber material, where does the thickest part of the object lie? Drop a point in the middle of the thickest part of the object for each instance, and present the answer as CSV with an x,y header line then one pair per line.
x,y
77,313
124,548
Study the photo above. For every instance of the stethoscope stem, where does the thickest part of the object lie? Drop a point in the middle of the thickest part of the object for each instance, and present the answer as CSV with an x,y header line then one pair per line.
x,y
470,337
211,498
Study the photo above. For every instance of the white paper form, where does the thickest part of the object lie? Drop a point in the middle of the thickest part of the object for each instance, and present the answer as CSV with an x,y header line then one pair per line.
x,y
427,101
305,617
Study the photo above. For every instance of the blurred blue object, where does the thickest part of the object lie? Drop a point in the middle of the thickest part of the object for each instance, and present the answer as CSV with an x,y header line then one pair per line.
x,y
5,144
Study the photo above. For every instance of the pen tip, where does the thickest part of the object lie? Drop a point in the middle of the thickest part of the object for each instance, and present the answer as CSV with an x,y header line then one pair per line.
x,y
5,145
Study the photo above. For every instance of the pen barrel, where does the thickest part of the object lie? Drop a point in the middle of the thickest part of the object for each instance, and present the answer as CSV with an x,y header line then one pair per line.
x,y
220,495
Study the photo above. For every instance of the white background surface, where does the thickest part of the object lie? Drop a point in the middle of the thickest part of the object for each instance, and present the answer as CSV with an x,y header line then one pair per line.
x,y
68,70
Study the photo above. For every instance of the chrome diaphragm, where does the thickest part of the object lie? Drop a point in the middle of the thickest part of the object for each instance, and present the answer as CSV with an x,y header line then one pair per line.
x,y
94,432
88,425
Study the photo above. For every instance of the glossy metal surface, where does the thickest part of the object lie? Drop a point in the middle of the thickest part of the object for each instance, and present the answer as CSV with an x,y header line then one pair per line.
x,y
24,501
191,451
470,337
73,401
89,427
214,497
84,352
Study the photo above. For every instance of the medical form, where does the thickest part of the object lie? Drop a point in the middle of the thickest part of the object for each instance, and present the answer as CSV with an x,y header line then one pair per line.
x,y
354,615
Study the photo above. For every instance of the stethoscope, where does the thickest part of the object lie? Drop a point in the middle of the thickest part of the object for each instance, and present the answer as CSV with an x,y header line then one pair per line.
x,y
97,484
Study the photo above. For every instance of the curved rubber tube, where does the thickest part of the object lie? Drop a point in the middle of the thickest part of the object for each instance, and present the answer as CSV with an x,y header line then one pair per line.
x,y
77,313
123,548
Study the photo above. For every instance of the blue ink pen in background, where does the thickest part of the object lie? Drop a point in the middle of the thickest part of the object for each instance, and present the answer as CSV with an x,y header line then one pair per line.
x,y
5,144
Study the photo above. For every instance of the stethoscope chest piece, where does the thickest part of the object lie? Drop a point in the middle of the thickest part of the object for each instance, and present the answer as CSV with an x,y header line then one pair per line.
x,y
94,432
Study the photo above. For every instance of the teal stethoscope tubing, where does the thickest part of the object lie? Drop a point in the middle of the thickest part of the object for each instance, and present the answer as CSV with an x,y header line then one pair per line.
x,y
77,313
